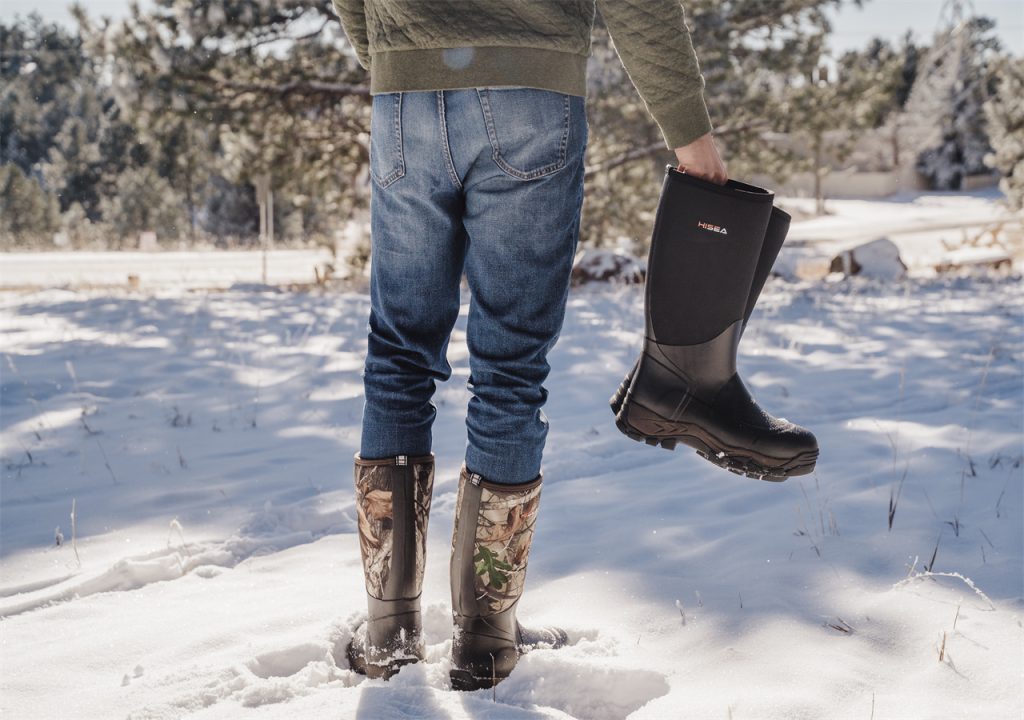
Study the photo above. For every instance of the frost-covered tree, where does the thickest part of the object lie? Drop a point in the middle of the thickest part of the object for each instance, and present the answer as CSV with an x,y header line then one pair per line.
x,y
1005,114
946,122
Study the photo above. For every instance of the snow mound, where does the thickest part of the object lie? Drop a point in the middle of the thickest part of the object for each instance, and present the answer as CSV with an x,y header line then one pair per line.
x,y
879,258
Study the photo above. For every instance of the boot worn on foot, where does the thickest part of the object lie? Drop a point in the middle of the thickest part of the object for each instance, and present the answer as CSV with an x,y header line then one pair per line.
x,y
711,250
490,547
393,504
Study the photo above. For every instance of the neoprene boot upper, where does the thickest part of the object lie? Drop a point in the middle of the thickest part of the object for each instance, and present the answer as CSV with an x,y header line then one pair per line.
x,y
707,265
775,236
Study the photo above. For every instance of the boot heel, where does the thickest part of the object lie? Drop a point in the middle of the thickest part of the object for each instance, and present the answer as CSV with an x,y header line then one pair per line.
x,y
644,425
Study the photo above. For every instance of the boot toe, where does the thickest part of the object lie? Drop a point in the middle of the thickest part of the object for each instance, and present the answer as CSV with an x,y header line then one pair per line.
x,y
542,637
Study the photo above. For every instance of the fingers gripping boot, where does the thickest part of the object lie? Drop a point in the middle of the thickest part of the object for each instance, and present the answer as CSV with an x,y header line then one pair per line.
x,y
393,506
493,531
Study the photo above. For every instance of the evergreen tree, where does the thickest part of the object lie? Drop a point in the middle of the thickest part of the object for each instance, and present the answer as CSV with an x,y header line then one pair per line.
x,y
57,119
42,68
143,201
1005,113
829,113
755,57
27,212
945,121
249,88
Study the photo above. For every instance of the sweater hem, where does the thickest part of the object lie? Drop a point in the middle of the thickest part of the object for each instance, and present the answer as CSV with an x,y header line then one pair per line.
x,y
478,66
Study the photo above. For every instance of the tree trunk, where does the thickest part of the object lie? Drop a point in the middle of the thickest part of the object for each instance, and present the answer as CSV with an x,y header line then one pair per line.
x,y
819,199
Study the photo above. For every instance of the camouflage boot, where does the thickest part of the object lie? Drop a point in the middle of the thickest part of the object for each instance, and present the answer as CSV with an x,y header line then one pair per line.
x,y
490,548
393,504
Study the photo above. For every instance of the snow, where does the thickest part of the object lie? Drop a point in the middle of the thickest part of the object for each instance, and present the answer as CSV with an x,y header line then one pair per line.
x,y
922,225
213,569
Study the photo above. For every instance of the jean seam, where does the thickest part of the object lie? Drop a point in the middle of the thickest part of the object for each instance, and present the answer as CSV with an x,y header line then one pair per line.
x,y
445,146
543,171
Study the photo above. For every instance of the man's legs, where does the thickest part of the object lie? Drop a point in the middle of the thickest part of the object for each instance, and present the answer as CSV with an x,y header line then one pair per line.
x,y
524,188
418,250
523,196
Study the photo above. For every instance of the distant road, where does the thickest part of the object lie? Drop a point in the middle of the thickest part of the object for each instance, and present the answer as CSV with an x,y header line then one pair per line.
x,y
198,269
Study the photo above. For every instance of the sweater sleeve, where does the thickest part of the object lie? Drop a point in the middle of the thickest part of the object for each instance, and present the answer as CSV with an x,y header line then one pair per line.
x,y
352,14
654,45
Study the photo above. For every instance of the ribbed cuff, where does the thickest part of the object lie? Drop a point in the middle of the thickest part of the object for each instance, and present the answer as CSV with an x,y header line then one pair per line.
x,y
483,66
683,120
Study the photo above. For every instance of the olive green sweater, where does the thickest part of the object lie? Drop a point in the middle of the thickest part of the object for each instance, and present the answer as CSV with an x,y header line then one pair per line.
x,y
447,44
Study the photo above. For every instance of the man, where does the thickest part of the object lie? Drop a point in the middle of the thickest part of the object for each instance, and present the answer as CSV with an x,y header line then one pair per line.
x,y
478,136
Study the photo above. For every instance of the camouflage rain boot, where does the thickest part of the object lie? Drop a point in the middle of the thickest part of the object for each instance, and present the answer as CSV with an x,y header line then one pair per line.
x,y
490,548
706,249
393,504
774,237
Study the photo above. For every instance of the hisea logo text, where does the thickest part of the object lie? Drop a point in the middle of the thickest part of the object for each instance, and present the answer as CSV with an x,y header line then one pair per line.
x,y
713,228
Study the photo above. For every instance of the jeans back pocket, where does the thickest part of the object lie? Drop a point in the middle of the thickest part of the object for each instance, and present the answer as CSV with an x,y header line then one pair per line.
x,y
387,159
528,129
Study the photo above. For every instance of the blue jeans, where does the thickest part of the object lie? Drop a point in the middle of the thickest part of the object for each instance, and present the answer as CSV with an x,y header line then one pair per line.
x,y
486,181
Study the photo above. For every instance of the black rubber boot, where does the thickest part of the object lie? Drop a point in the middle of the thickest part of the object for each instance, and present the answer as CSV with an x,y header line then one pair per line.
x,y
703,278
393,505
774,237
490,549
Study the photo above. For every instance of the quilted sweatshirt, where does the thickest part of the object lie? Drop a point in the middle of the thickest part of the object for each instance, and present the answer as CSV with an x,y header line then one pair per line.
x,y
446,44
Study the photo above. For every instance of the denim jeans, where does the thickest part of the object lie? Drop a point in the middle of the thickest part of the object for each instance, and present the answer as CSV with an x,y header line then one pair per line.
x,y
486,181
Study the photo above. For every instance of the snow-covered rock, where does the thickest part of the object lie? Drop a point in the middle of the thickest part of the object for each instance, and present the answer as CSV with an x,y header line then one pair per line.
x,y
879,259
603,264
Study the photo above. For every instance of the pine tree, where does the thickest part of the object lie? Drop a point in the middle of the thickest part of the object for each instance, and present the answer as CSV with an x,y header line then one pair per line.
x,y
249,88
27,212
945,125
143,201
1005,113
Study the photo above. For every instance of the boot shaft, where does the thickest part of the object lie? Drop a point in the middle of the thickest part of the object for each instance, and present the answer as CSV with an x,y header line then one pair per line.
x,y
393,498
491,540
705,248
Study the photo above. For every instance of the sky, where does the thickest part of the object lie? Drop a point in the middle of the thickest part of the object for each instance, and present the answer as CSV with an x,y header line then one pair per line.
x,y
853,27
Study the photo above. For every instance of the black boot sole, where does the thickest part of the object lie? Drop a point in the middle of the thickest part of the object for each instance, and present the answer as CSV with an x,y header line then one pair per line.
x,y
466,681
637,423
620,393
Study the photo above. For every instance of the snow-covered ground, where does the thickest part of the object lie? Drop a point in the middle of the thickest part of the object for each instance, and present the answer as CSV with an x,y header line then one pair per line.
x,y
212,570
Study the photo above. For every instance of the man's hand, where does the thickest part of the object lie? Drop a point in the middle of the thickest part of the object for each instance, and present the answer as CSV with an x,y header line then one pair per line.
x,y
701,158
